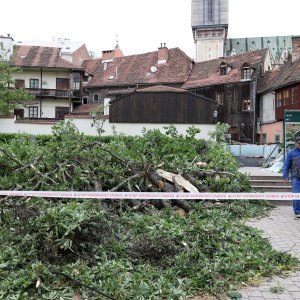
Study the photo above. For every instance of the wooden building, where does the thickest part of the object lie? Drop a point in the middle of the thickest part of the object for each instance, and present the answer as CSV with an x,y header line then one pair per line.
x,y
164,105
232,82
114,75
287,90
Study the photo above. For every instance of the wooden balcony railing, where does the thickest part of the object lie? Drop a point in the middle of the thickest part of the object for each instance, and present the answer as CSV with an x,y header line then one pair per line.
x,y
49,93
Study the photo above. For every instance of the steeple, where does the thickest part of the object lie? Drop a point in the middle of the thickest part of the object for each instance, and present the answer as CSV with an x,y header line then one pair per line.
x,y
210,26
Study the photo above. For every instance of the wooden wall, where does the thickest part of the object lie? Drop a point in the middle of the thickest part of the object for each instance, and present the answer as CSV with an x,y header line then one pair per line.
x,y
287,98
163,107
231,112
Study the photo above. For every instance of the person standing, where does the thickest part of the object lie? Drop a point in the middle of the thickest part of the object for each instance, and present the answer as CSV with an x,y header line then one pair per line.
x,y
292,165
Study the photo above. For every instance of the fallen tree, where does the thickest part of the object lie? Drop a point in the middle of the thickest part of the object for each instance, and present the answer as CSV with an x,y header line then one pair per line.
x,y
115,249
152,163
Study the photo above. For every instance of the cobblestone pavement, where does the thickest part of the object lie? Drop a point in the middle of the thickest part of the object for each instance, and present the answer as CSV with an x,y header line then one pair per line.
x,y
283,231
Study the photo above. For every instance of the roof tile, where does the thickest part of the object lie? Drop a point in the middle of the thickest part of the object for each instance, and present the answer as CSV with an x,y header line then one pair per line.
x,y
136,69
37,56
207,73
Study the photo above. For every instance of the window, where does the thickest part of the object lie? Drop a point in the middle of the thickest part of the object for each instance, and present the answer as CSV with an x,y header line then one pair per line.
x,y
264,138
60,112
295,95
33,112
279,96
286,97
85,100
34,83
229,96
19,112
44,84
247,105
210,11
223,70
75,78
277,138
96,98
246,73
62,83
105,65
86,78
220,98
19,83
76,85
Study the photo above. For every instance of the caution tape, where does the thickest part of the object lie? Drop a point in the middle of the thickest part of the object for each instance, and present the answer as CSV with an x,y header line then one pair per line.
x,y
153,196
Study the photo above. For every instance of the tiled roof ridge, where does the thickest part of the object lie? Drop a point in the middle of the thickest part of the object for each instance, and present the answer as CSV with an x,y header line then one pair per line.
x,y
142,54
161,88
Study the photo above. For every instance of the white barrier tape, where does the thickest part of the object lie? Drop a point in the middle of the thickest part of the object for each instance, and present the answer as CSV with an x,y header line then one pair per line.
x,y
153,196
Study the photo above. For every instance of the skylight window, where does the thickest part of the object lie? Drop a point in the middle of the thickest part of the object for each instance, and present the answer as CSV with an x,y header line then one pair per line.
x,y
111,77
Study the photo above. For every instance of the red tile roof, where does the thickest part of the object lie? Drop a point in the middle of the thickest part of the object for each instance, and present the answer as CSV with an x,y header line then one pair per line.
x,y
290,74
37,56
267,82
92,65
136,69
85,108
207,73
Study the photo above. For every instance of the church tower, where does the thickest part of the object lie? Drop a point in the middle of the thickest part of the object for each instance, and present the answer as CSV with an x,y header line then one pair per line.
x,y
210,27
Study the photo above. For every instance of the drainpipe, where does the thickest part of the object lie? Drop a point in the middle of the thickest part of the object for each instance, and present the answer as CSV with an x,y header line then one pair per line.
x,y
41,92
70,91
90,94
254,108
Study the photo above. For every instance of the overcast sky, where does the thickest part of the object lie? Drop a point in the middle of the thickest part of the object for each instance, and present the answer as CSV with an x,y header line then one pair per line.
x,y
141,25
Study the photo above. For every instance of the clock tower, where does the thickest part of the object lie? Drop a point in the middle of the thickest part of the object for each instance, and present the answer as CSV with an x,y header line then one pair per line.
x,y
210,27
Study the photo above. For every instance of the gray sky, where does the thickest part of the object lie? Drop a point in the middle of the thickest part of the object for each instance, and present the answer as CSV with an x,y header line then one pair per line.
x,y
141,25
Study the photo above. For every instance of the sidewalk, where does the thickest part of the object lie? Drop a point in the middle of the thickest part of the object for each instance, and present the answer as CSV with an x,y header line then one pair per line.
x,y
283,231
256,171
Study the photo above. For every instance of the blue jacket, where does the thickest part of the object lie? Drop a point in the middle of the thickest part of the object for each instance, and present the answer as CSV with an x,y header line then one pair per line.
x,y
292,162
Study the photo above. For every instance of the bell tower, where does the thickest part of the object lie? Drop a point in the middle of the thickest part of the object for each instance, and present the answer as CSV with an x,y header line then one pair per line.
x,y
210,27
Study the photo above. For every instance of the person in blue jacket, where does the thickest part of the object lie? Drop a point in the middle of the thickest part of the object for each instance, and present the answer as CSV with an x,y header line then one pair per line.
x,y
292,165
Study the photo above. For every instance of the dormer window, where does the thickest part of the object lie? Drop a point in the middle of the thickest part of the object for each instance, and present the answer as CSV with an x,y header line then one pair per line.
x,y
246,72
224,69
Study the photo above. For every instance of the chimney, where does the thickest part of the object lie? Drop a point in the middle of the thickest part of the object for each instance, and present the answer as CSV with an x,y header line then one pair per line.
x,y
296,48
108,55
163,54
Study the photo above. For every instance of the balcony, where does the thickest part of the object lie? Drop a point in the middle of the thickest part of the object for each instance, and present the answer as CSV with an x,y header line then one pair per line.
x,y
52,93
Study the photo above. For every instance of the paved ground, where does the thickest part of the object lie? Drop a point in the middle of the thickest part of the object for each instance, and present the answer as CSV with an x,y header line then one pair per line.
x,y
255,171
283,231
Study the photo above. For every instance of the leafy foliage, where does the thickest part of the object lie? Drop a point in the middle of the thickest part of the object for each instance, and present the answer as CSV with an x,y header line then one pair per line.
x,y
56,249
9,95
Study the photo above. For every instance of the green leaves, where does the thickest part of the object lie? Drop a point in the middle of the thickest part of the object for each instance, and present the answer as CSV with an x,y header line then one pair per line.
x,y
9,95
124,254
133,256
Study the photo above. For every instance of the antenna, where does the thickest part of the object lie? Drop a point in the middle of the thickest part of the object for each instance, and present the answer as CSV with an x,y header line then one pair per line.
x,y
117,39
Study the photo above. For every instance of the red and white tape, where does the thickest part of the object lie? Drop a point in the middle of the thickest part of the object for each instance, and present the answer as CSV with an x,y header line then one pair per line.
x,y
153,196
